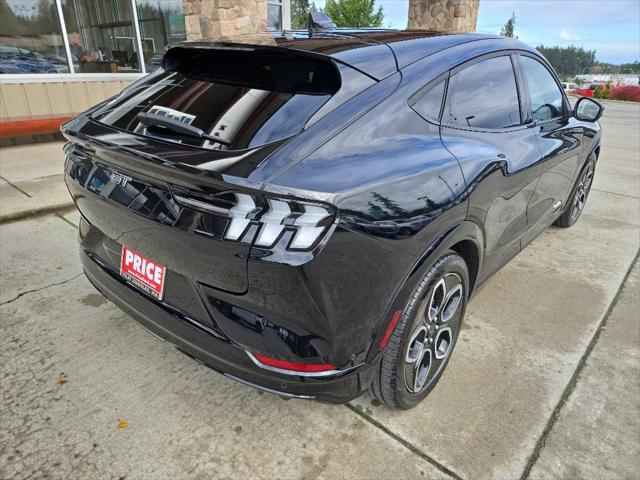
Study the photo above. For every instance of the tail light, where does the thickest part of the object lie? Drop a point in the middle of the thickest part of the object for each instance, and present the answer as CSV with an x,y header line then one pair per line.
x,y
292,368
273,216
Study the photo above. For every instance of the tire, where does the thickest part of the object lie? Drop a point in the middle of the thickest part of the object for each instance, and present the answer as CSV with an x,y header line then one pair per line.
x,y
411,365
579,197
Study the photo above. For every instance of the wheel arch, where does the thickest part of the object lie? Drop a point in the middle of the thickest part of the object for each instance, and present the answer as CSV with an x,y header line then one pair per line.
x,y
466,239
470,253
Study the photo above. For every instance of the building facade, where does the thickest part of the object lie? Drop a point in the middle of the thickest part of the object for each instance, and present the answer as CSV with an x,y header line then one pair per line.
x,y
444,15
58,57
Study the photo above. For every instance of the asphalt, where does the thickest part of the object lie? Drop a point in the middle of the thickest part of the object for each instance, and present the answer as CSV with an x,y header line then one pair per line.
x,y
544,383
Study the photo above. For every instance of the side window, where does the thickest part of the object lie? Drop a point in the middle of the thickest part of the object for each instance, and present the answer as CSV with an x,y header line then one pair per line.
x,y
430,103
483,95
546,98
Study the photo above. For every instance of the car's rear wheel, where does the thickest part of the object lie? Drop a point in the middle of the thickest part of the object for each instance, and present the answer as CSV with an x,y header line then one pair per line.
x,y
422,342
580,195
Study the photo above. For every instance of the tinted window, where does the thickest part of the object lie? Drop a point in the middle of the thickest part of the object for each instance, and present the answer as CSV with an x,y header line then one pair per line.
x,y
546,97
225,99
430,103
240,117
483,95
31,38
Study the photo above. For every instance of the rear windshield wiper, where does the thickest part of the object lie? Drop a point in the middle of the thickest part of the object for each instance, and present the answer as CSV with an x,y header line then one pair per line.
x,y
152,120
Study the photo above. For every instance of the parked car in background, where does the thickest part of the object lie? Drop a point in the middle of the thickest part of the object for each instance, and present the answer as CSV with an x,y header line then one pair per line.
x,y
589,89
19,60
569,86
311,217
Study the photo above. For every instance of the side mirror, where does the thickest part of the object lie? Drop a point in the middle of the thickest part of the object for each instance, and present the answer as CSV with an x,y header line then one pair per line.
x,y
588,110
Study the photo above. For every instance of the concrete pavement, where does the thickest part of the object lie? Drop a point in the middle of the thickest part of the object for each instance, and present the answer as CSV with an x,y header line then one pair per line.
x,y
596,424
544,382
31,180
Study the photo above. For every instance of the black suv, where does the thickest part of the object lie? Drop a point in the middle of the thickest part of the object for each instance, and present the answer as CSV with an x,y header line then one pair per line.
x,y
308,215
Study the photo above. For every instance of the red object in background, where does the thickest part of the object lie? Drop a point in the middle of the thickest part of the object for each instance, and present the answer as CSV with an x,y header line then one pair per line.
x,y
630,93
32,126
588,92
585,92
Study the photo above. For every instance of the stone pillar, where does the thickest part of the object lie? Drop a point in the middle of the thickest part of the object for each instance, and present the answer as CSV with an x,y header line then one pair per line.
x,y
205,19
443,15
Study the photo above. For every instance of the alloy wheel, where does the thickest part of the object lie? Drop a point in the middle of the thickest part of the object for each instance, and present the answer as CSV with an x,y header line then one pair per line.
x,y
582,192
432,339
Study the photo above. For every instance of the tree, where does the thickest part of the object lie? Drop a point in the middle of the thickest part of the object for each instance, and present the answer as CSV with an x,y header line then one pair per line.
x,y
507,30
354,13
300,14
569,61
392,207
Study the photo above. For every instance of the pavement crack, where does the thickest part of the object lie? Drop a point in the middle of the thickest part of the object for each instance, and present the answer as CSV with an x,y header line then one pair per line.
x,y
21,294
570,387
614,193
409,446
66,220
15,186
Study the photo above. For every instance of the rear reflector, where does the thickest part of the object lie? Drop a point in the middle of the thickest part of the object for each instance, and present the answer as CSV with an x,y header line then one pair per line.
x,y
293,366
390,328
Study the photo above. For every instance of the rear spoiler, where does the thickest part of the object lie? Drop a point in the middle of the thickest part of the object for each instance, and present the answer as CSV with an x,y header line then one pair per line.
x,y
261,67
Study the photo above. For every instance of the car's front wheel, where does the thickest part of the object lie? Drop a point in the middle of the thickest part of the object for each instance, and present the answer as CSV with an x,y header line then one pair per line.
x,y
425,335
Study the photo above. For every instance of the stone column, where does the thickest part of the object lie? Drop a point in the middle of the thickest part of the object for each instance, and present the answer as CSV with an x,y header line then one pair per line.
x,y
205,19
443,15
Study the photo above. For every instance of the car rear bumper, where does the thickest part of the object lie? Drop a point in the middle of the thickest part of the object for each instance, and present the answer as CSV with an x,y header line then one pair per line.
x,y
205,345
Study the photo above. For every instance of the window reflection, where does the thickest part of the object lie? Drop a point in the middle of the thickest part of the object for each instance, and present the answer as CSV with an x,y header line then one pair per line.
x,y
31,38
161,23
546,98
274,15
101,36
239,117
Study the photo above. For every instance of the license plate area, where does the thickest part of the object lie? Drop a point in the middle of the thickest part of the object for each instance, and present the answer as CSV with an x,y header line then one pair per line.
x,y
143,272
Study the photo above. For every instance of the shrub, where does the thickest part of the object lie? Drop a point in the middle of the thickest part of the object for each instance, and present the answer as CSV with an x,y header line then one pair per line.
x,y
630,93
602,92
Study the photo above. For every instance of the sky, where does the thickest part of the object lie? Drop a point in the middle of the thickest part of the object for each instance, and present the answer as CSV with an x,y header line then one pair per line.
x,y
611,27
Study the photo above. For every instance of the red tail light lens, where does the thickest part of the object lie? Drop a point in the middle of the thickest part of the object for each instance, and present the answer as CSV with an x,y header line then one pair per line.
x,y
293,366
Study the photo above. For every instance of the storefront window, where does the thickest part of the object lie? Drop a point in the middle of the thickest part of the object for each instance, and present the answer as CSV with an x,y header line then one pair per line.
x,y
161,23
97,36
101,36
274,15
31,38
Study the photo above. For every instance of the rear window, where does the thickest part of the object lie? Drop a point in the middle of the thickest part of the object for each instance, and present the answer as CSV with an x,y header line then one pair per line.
x,y
226,99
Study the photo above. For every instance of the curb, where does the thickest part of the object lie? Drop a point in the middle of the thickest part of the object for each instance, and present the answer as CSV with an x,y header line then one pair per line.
x,y
36,211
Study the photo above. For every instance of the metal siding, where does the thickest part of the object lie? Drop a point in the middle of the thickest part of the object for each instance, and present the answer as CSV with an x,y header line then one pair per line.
x,y
38,100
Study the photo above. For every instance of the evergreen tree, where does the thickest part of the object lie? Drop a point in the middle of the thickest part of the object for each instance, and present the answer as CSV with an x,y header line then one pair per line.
x,y
300,14
354,13
392,207
507,30
569,61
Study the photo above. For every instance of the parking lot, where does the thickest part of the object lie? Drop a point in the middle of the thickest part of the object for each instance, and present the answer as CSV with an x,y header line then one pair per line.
x,y
544,383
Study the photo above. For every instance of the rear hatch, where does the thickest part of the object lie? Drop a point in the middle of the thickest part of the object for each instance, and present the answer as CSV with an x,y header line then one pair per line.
x,y
158,168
